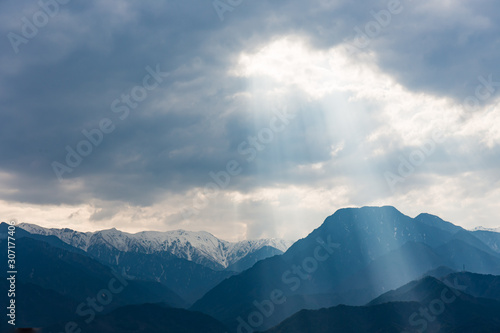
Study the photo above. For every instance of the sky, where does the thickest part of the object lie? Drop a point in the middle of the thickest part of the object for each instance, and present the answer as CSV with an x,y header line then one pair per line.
x,y
247,119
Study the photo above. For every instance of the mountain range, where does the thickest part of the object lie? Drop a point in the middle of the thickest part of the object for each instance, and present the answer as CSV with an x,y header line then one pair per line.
x,y
191,263
199,247
357,254
370,269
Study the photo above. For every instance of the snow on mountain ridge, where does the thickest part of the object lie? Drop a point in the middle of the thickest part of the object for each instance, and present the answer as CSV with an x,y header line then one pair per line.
x,y
190,245
486,229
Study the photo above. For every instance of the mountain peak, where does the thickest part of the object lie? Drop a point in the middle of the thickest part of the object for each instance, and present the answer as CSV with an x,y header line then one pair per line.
x,y
373,214
437,222
370,209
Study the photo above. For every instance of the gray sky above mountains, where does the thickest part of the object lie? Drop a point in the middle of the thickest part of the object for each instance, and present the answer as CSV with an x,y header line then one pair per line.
x,y
257,125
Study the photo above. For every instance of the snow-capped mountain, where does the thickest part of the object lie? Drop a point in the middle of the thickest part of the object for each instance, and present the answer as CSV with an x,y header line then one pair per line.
x,y
200,247
486,229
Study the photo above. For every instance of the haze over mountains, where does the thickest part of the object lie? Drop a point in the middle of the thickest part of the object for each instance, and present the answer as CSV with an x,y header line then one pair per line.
x,y
364,269
425,305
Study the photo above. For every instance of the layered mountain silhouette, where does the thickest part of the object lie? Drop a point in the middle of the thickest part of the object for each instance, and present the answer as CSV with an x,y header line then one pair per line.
x,y
370,269
354,256
426,305
77,276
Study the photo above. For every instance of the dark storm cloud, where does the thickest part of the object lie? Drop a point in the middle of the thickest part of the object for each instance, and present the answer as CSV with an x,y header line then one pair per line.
x,y
442,48
65,79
